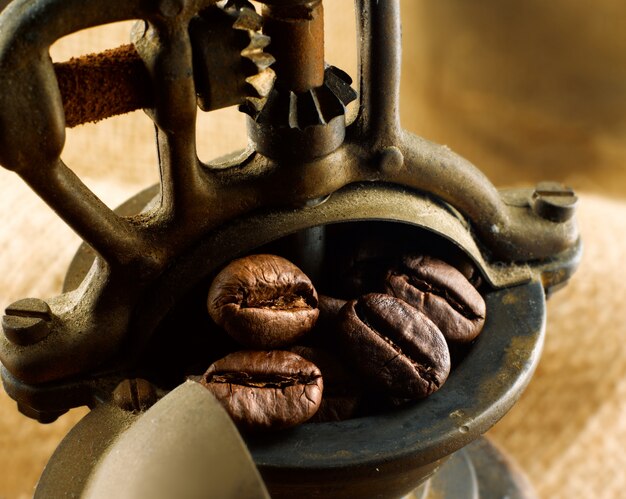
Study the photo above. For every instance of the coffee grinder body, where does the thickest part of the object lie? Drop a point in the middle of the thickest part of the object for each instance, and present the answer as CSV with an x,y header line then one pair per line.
x,y
311,175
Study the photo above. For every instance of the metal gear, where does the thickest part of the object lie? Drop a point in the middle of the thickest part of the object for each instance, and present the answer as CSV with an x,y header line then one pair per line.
x,y
307,105
229,77
229,65
313,120
317,106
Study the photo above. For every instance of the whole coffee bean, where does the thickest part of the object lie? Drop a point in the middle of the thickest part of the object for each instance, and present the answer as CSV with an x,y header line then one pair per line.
x,y
263,301
442,293
265,390
342,389
394,346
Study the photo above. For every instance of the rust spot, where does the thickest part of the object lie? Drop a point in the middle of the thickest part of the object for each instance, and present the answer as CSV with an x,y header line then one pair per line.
x,y
510,298
96,86
457,414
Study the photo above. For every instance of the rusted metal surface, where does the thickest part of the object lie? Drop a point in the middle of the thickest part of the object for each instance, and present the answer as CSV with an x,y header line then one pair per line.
x,y
229,61
297,33
303,117
97,86
229,66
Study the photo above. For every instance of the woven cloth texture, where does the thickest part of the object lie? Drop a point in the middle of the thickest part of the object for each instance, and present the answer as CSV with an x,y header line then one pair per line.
x,y
568,431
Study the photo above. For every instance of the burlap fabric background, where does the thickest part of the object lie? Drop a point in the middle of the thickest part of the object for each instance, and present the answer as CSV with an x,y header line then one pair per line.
x,y
530,91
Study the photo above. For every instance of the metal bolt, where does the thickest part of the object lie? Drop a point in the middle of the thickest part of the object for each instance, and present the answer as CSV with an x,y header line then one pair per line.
x,y
554,201
27,321
134,395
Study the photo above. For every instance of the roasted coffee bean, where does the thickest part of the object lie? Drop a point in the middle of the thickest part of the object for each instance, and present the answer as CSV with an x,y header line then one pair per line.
x,y
466,267
442,293
263,301
342,390
394,346
264,390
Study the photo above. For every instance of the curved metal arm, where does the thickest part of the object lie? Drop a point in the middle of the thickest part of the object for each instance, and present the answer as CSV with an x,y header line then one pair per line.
x,y
32,119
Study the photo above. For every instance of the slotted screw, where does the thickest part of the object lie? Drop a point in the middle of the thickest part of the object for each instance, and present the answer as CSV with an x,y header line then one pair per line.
x,y
134,395
27,321
554,201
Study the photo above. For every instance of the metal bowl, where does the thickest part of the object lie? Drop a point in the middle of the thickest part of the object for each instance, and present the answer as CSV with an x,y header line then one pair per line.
x,y
383,455
389,455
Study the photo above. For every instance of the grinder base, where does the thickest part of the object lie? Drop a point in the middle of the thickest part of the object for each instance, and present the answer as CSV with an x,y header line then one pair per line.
x,y
478,471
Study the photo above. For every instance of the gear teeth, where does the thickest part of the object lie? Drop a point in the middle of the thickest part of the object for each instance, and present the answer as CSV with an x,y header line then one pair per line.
x,y
338,82
339,73
261,84
329,103
316,107
240,72
248,19
260,79
292,114
254,50
305,111
261,60
258,41
238,4
252,106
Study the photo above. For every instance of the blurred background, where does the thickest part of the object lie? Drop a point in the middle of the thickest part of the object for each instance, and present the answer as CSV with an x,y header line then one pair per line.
x,y
527,91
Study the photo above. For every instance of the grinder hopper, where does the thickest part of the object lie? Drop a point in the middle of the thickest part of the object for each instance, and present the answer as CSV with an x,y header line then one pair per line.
x,y
311,176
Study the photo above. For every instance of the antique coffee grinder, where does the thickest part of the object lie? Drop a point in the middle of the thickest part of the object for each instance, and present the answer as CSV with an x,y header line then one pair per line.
x,y
314,180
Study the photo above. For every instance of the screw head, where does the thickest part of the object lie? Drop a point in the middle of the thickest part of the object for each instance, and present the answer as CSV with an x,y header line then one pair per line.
x,y
134,395
554,201
27,321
